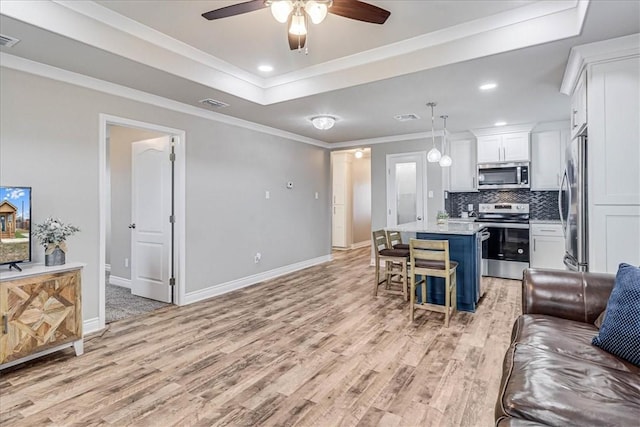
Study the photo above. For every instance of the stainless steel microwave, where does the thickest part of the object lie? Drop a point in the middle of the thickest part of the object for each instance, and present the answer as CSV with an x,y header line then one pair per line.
x,y
493,176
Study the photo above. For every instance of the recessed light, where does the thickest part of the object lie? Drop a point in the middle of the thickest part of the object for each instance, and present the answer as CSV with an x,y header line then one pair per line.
x,y
265,68
488,86
500,123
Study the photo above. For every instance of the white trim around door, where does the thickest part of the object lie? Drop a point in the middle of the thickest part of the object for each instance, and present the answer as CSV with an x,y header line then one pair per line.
x,y
180,204
420,158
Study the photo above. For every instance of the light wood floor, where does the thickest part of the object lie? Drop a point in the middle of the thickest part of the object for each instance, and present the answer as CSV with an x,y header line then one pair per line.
x,y
309,348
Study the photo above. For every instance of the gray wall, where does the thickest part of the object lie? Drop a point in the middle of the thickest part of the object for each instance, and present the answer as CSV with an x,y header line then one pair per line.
x,y
119,234
379,184
361,182
228,170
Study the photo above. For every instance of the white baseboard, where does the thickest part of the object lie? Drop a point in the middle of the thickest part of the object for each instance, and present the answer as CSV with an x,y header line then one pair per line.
x,y
243,282
91,325
120,281
361,244
107,267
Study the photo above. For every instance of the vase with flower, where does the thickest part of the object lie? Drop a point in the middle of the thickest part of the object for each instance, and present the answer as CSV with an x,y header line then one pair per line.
x,y
52,234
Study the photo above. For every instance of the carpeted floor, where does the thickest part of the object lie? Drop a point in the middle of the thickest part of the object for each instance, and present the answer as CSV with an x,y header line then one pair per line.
x,y
121,304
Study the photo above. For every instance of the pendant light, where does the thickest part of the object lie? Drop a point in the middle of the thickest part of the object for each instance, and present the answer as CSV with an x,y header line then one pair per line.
x,y
445,160
433,155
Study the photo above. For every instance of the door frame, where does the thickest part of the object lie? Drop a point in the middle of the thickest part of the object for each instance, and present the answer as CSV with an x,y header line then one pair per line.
x,y
423,160
179,256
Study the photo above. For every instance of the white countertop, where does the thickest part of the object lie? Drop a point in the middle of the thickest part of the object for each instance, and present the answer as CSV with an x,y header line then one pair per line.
x,y
544,221
29,270
452,227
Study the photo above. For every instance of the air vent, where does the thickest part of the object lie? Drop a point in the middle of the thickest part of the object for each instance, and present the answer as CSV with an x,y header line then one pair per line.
x,y
406,117
7,41
213,103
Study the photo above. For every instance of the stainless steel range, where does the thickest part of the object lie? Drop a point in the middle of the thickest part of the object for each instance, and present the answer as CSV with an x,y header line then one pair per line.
x,y
506,252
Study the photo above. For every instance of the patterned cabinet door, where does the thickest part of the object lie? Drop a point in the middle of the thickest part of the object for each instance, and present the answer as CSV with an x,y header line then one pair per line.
x,y
39,312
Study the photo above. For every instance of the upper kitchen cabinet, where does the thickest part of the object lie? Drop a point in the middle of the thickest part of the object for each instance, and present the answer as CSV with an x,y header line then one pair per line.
x,y
579,106
462,172
609,74
547,159
506,147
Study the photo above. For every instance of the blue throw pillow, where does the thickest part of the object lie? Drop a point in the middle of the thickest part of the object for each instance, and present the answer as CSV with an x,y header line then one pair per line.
x,y
620,330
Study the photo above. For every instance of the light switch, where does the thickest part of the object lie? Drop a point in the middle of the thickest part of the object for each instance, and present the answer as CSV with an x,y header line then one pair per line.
x,y
431,194
470,207
267,195
316,195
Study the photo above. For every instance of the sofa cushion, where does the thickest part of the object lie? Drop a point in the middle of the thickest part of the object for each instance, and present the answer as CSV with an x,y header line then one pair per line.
x,y
551,388
620,330
566,337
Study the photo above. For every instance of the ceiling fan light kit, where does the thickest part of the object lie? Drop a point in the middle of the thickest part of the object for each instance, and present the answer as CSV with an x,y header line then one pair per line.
x,y
323,122
281,10
296,12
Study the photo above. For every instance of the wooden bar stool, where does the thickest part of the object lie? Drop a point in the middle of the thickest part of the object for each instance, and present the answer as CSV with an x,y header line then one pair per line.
x,y
431,258
395,262
394,238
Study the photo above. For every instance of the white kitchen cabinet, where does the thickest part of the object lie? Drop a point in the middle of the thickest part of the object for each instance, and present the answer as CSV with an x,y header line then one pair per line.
x,y
507,147
547,160
579,106
489,149
603,79
547,248
341,198
463,170
614,123
339,227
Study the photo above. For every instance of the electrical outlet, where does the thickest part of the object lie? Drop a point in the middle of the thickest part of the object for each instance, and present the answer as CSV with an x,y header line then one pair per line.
x,y
470,207
267,195
126,262
257,258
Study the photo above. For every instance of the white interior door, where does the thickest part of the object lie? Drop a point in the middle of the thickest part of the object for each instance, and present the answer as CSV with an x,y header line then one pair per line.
x,y
150,225
406,181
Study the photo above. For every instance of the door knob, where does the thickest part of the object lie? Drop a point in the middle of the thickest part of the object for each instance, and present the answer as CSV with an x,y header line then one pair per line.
x,y
419,218
132,225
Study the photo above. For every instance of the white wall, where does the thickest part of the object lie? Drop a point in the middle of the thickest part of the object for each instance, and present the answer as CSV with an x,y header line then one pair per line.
x,y
228,169
379,154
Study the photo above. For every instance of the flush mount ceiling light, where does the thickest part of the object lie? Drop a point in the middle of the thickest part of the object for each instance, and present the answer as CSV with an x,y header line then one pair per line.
x,y
323,122
265,68
500,123
296,13
434,154
488,86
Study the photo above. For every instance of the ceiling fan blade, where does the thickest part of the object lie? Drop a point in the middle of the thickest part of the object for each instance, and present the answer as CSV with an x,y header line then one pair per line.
x,y
234,9
359,11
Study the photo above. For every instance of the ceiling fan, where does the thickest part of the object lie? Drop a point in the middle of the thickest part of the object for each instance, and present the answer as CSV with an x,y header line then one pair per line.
x,y
297,13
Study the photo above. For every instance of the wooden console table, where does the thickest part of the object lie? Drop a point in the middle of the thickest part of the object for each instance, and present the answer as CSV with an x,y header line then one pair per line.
x,y
41,310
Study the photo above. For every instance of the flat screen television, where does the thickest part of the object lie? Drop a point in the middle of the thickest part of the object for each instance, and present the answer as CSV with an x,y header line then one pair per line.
x,y
15,225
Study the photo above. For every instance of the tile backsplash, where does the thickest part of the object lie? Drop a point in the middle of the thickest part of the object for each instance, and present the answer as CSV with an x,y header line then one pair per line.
x,y
542,204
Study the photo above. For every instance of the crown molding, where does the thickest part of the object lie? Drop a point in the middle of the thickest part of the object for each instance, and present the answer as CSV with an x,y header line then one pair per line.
x,y
385,139
581,56
43,70
524,127
100,27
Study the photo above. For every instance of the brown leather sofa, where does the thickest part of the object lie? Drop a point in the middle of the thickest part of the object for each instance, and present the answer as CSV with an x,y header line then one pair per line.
x,y
552,375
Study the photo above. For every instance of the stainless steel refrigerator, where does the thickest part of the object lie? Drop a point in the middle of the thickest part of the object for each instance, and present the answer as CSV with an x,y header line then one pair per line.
x,y
572,202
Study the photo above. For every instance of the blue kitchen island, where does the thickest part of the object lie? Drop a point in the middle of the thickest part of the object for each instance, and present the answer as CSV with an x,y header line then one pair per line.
x,y
465,247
